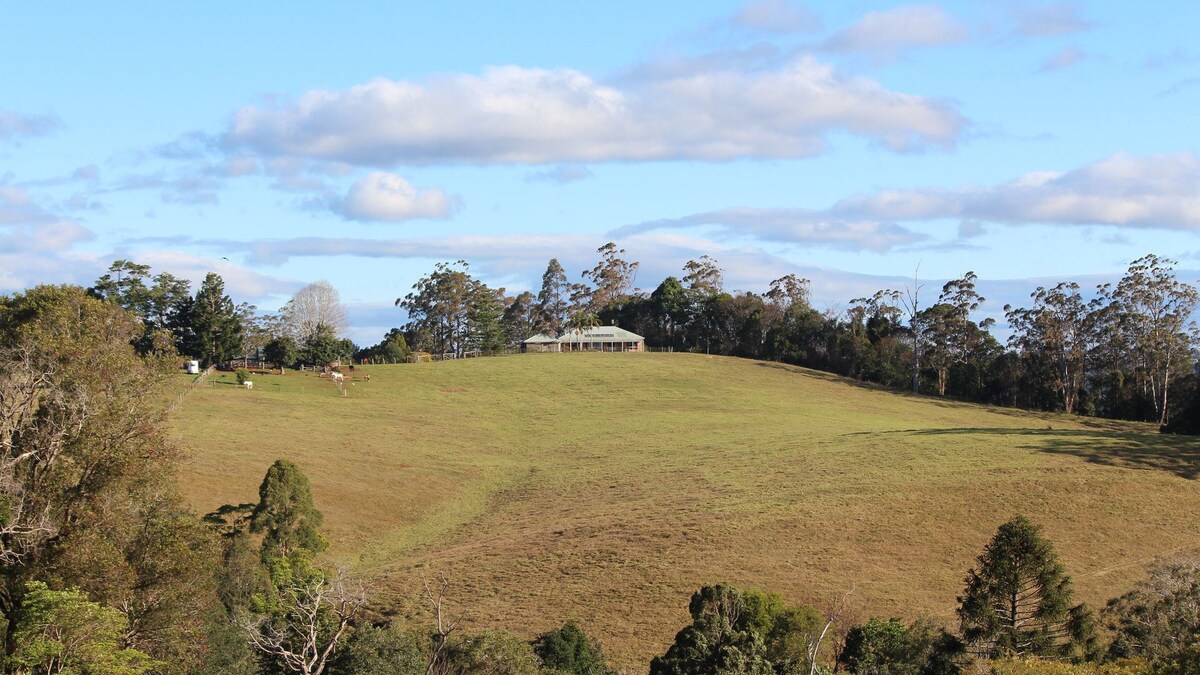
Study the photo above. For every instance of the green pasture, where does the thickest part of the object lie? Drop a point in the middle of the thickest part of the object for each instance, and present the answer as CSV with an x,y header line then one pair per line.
x,y
608,487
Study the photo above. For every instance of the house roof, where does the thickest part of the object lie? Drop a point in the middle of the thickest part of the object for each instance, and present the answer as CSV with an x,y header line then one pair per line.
x,y
541,339
601,334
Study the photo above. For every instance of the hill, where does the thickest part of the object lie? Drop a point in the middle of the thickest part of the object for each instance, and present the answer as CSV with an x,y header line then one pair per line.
x,y
608,487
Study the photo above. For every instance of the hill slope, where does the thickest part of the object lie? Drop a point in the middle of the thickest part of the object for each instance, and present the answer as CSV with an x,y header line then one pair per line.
x,y
608,487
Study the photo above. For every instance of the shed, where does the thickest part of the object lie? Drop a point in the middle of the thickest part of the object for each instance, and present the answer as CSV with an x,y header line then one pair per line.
x,y
540,343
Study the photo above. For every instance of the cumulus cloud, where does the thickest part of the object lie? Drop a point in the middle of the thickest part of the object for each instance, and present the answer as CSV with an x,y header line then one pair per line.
x,y
390,198
534,116
14,125
775,16
884,34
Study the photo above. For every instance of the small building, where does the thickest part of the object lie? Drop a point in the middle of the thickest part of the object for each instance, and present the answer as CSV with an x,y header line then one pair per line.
x,y
193,367
540,343
601,339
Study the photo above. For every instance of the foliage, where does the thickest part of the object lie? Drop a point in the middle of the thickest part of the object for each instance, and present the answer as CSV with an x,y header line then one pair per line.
x,y
553,300
1160,618
569,650
393,348
492,652
242,375
282,351
214,326
890,647
376,650
322,347
63,632
285,514
1017,601
1043,667
719,640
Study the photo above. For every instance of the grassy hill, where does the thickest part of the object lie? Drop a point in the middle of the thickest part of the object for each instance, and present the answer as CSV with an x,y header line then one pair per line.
x,y
608,487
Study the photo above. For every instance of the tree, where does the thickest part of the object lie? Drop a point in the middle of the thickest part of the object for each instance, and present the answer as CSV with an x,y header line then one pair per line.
x,y
570,650
553,301
949,337
520,318
485,318
1155,311
304,618
321,347
891,647
86,486
64,632
125,285
703,276
1017,601
438,309
316,304
1055,336
717,641
1160,618
216,329
393,348
612,278
282,351
386,650
285,513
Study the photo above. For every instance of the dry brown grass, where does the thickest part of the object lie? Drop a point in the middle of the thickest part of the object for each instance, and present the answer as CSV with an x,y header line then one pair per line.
x,y
607,488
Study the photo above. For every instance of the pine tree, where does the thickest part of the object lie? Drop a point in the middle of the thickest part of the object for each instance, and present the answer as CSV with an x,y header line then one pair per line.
x,y
285,513
1017,602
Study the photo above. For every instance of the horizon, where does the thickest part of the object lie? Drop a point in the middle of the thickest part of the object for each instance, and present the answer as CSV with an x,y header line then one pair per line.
x,y
855,144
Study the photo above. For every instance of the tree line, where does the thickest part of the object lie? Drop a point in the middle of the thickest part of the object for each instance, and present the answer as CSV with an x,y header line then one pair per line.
x,y
104,571
1125,351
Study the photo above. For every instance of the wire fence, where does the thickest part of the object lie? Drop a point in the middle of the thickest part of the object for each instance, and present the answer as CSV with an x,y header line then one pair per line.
x,y
200,379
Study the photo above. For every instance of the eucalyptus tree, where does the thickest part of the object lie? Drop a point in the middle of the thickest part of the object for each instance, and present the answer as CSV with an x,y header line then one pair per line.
x,y
553,300
1155,314
612,278
1054,337
438,308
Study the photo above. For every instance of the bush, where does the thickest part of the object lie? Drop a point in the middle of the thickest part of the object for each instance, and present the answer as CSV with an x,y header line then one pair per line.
x,y
242,375
570,650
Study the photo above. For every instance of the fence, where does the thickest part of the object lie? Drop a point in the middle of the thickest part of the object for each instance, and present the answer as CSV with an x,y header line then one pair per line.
x,y
200,379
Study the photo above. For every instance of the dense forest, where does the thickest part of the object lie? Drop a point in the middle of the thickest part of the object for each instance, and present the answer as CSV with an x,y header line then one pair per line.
x,y
103,570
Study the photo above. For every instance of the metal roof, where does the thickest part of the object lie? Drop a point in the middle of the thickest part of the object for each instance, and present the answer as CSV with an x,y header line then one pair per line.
x,y
600,334
541,339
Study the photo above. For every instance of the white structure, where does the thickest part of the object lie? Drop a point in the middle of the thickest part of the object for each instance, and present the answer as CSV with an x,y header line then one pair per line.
x,y
595,339
193,367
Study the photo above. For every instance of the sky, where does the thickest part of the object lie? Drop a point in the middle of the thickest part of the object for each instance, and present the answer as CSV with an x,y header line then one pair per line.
x,y
862,145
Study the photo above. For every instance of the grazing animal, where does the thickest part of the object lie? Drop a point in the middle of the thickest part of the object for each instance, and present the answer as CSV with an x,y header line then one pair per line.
x,y
249,384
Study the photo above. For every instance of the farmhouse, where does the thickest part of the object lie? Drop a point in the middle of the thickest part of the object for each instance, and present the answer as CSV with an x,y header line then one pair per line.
x,y
595,339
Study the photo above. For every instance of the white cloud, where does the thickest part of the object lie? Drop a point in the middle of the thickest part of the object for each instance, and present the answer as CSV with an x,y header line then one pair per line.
x,y
1064,58
13,125
532,116
885,34
775,16
1154,192
27,227
795,226
560,174
241,284
1157,192
1048,20
387,197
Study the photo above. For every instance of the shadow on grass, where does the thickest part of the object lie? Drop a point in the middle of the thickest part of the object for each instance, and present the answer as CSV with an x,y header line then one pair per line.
x,y
1131,450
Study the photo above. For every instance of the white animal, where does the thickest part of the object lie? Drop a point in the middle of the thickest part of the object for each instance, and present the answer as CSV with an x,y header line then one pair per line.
x,y
249,384
337,377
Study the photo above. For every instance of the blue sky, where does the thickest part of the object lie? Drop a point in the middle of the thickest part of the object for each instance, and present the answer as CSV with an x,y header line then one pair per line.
x,y
848,142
